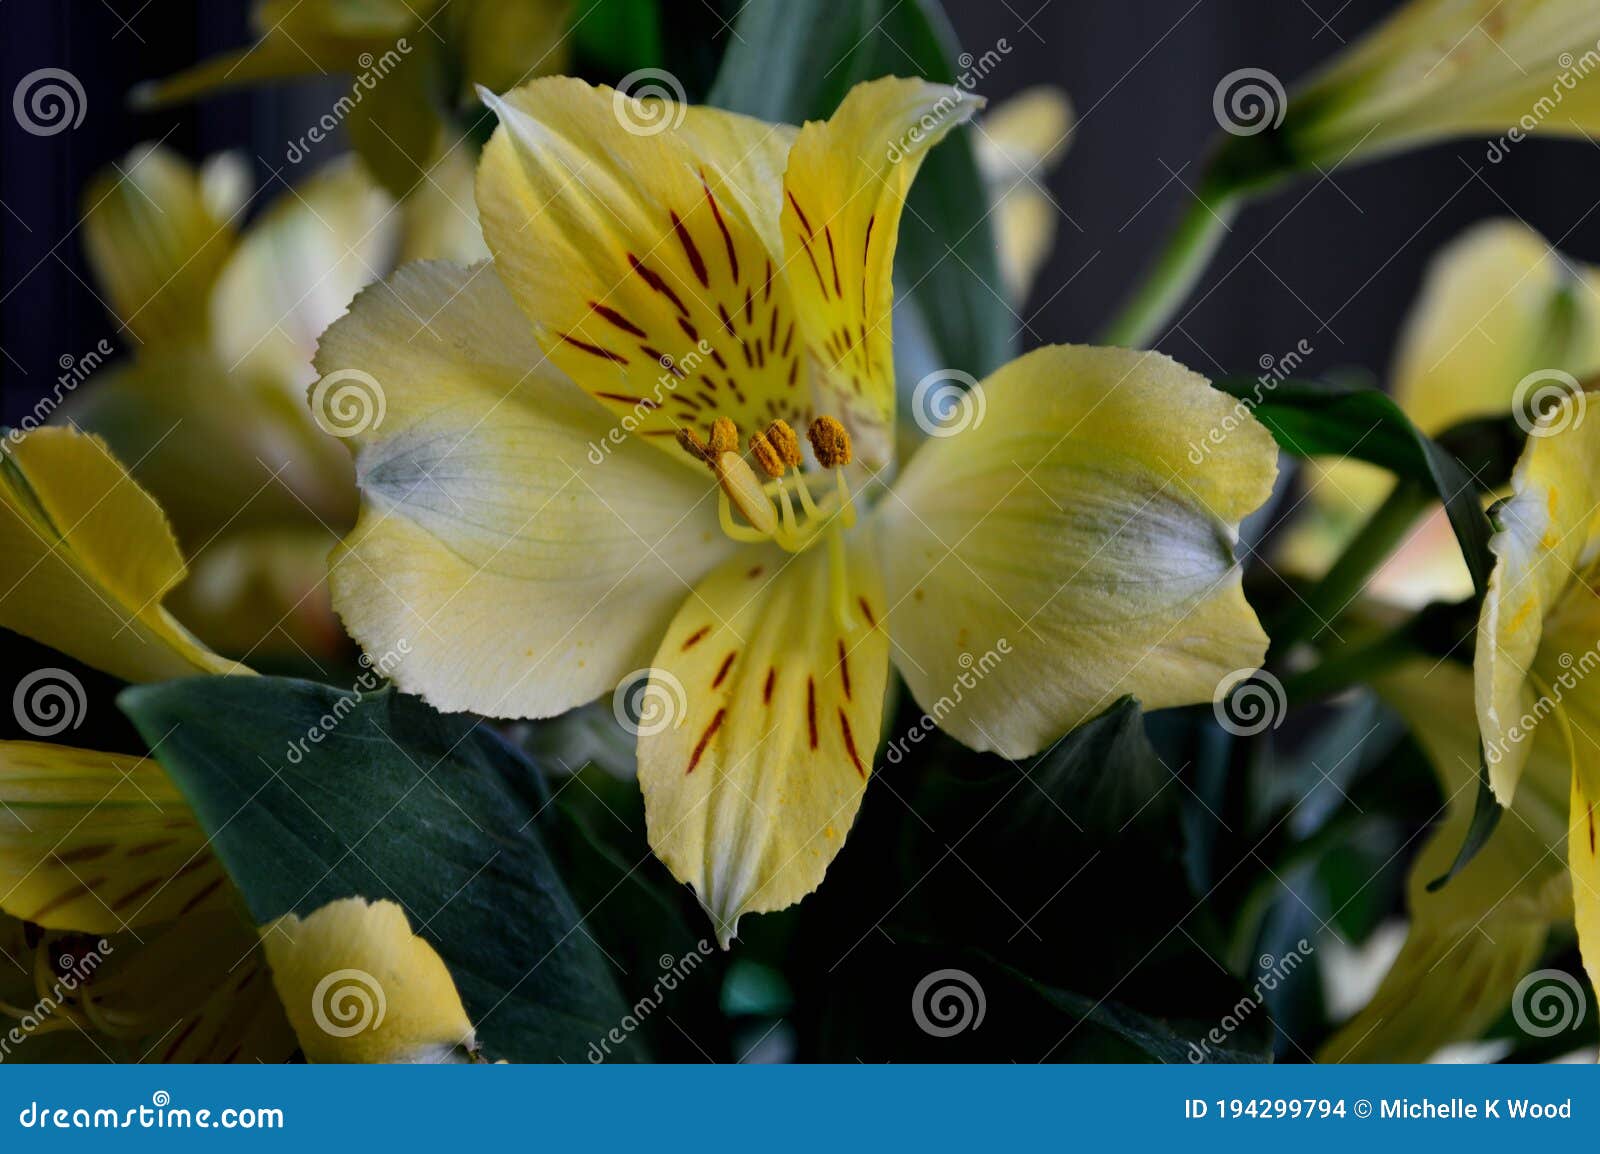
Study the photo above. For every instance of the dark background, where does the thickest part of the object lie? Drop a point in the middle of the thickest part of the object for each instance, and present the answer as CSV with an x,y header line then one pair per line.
x,y
1335,263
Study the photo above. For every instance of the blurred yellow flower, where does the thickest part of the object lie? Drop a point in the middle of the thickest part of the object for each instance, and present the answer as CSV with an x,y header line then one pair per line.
x,y
1501,320
403,56
1537,662
1019,143
1442,68
1471,941
210,408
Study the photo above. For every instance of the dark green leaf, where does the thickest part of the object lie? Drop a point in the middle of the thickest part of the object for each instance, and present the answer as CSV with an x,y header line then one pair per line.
x,y
310,794
618,36
1318,419
793,60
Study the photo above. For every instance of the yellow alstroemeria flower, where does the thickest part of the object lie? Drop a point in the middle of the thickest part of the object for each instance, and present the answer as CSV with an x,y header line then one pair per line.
x,y
1471,941
546,514
1442,68
1019,143
136,939
100,844
210,408
403,55
1538,642
1502,322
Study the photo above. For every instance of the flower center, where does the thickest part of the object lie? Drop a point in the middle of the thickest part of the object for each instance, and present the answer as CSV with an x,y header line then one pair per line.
x,y
768,507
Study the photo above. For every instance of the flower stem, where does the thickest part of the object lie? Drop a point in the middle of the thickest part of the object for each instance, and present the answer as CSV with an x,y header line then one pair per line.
x,y
1187,253
1350,665
1344,581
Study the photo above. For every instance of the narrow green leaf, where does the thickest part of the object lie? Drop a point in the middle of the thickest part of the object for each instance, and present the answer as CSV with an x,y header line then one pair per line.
x,y
310,794
1317,419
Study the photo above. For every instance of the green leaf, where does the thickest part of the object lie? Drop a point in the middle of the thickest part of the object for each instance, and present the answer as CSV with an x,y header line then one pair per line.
x,y
310,794
1320,419
1317,419
618,36
793,60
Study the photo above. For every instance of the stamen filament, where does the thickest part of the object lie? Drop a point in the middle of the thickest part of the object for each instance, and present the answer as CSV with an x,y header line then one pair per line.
x,y
839,581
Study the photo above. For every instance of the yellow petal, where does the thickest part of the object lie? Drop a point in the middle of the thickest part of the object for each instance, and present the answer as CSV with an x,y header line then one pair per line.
x,y
1498,303
1471,941
843,192
439,219
358,986
191,990
765,713
1543,550
155,244
1019,142
1500,314
1438,68
218,450
626,230
86,558
98,842
514,544
264,592
1066,543
295,271
295,38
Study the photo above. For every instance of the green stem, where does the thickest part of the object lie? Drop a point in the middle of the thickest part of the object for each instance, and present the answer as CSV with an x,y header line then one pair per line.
x,y
1173,277
1351,665
1361,558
